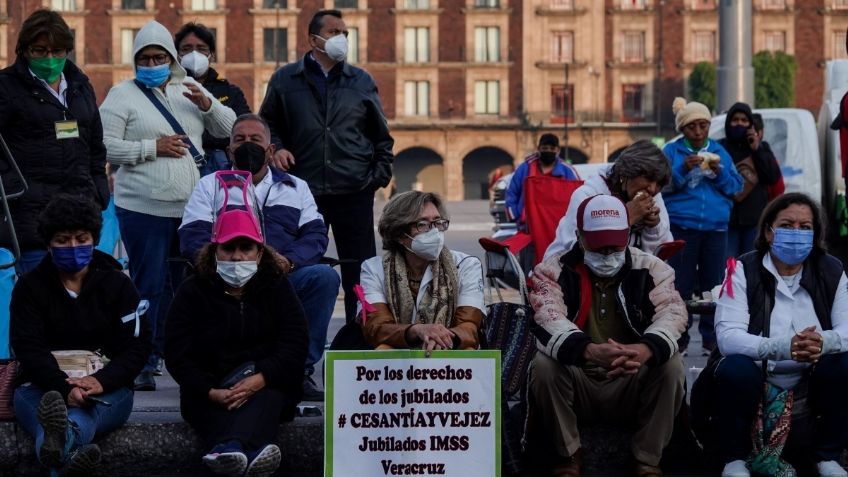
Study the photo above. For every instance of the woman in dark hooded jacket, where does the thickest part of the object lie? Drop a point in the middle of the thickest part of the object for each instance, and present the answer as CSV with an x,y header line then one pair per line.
x,y
759,169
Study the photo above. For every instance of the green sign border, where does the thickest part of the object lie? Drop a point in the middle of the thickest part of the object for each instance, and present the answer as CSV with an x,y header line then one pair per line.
x,y
331,356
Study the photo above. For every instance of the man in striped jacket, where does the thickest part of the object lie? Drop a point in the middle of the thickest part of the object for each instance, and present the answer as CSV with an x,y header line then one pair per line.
x,y
292,226
607,323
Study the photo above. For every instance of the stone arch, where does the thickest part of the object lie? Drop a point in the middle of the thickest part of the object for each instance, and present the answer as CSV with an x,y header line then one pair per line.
x,y
478,166
419,168
575,156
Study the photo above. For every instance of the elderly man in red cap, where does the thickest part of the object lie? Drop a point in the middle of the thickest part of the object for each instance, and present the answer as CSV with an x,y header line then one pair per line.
x,y
608,319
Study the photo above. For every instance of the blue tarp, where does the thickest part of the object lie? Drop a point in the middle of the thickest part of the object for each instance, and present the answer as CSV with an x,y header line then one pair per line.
x,y
7,282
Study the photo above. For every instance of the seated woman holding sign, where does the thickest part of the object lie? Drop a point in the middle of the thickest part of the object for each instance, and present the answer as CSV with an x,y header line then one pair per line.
x,y
423,295
236,343
73,306
782,326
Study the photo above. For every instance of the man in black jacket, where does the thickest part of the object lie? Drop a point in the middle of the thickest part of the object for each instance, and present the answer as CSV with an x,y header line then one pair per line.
x,y
196,46
50,121
328,126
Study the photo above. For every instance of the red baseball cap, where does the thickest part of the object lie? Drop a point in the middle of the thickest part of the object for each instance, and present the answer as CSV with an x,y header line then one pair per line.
x,y
236,223
602,220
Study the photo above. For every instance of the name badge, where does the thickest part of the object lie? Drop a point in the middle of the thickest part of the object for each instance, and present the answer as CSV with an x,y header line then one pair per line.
x,y
68,129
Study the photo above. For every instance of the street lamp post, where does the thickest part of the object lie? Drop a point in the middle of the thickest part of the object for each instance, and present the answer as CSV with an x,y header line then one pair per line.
x,y
567,92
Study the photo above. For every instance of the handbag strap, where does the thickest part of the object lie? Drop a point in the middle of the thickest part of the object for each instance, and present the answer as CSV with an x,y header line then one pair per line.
x,y
175,125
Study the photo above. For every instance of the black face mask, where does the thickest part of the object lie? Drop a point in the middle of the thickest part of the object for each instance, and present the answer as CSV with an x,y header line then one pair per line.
x,y
547,158
249,157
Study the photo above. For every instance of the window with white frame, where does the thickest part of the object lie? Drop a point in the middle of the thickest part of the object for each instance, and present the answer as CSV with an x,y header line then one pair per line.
x,y
704,46
127,38
487,97
416,98
562,46
634,4
275,45
774,4
416,45
487,44
64,5
416,4
204,4
774,40
352,45
562,4
487,3
633,46
838,45
632,97
133,5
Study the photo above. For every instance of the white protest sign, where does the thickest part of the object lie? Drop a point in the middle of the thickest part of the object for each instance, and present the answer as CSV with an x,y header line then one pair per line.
x,y
397,412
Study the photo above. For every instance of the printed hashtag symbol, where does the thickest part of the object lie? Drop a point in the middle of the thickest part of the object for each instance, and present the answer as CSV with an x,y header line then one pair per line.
x,y
342,421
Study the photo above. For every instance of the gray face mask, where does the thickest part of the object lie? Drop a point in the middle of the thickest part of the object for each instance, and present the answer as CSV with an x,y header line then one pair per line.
x,y
604,265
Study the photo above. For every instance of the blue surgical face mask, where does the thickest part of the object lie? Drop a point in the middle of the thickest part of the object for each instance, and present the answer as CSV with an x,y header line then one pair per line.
x,y
792,246
152,76
72,259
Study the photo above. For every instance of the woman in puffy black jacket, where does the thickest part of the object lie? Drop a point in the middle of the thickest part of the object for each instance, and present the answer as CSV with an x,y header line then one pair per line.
x,y
236,343
50,121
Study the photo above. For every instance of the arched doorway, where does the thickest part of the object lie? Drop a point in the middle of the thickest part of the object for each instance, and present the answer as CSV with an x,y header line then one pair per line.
x,y
575,156
612,157
419,168
477,168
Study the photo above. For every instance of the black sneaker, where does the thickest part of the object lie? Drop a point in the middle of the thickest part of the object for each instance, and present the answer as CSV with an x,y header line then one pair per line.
x,y
53,417
226,459
311,391
82,462
144,382
263,462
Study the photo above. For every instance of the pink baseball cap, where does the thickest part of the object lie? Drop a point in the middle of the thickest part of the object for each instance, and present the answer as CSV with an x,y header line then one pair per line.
x,y
236,223
603,222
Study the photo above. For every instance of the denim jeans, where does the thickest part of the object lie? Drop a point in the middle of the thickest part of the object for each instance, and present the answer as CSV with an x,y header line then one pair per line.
x,y
317,286
29,260
740,240
739,390
702,259
150,241
85,423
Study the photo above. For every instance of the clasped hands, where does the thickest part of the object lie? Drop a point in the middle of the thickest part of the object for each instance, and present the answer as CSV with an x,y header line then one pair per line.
x,y
618,359
236,396
82,388
807,345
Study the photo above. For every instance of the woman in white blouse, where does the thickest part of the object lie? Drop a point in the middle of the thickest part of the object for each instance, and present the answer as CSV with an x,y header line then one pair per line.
x,y
782,319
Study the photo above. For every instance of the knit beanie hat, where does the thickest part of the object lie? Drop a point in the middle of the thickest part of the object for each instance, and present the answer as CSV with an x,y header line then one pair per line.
x,y
685,113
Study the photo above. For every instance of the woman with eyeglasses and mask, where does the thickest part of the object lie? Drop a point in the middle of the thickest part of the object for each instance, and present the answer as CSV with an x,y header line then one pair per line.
x,y
196,47
236,343
49,119
142,119
77,298
782,322
423,295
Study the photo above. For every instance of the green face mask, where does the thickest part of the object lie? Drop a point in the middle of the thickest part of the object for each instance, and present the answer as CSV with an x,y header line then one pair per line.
x,y
49,69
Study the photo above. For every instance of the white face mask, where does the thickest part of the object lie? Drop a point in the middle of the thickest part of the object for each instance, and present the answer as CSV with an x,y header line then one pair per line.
x,y
196,63
428,245
335,47
237,274
604,265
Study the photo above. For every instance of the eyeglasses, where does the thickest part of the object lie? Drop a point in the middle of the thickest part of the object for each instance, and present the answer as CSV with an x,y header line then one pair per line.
x,y
42,52
158,59
202,49
423,226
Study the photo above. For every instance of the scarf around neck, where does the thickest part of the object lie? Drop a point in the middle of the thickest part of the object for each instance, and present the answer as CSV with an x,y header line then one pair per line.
x,y
439,301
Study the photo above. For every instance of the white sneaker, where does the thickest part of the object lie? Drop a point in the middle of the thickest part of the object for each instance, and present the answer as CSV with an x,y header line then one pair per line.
x,y
737,468
830,468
